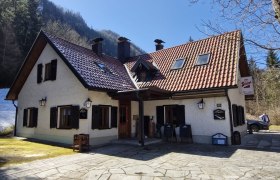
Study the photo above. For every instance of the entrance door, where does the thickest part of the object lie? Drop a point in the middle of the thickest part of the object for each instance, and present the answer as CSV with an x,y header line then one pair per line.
x,y
124,119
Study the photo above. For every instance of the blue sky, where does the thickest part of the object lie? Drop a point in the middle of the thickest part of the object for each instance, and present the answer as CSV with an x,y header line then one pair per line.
x,y
144,21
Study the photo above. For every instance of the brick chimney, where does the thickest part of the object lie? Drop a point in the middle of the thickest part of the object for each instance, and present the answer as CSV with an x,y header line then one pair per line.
x,y
159,44
97,46
123,49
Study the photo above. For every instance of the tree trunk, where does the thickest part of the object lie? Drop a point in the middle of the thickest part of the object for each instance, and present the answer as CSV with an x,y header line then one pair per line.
x,y
276,8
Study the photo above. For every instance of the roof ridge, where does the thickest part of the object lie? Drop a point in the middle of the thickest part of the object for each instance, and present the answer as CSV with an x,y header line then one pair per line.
x,y
215,36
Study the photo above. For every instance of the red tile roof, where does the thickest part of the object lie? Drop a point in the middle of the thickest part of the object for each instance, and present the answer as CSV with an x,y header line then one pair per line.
x,y
84,61
221,71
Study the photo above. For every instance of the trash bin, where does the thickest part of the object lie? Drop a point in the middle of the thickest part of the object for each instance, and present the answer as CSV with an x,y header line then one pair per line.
x,y
81,142
219,139
236,138
186,133
168,131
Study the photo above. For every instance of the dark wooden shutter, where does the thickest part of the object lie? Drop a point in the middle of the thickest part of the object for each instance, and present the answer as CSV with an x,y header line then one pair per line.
x,y
242,115
234,115
95,117
180,114
75,117
53,117
114,117
160,115
239,115
35,117
53,69
25,114
39,73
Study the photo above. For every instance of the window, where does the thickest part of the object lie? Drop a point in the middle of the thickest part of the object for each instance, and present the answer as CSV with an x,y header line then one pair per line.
x,y
123,115
203,59
30,117
104,117
171,114
178,64
103,67
238,115
65,117
50,70
39,73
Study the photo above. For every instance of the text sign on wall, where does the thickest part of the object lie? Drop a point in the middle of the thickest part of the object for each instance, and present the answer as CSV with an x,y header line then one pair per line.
x,y
219,114
246,85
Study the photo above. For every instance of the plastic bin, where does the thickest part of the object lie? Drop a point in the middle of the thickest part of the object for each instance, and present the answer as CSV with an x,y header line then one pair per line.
x,y
220,139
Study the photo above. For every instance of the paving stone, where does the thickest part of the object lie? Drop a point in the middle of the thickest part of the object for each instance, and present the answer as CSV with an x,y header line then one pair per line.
x,y
47,173
175,173
124,177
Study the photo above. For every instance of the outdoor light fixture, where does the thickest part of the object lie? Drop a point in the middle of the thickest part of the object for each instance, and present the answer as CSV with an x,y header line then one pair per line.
x,y
43,101
201,104
88,103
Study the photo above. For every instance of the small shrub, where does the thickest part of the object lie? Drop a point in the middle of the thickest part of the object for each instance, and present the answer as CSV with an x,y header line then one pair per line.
x,y
7,131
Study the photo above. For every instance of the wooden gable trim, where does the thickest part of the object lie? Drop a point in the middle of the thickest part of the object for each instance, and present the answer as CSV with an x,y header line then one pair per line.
x,y
27,66
243,63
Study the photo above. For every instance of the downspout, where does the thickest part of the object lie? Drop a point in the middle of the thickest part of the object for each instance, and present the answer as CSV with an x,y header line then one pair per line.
x,y
230,114
15,129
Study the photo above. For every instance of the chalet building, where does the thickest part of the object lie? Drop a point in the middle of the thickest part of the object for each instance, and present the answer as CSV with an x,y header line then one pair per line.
x,y
64,89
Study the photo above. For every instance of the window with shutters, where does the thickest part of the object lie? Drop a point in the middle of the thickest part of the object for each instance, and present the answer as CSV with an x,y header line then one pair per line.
x,y
39,73
65,117
171,114
104,117
238,115
50,70
30,117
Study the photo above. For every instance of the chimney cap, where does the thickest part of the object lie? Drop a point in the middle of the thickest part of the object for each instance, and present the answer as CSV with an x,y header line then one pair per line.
x,y
97,40
123,39
159,41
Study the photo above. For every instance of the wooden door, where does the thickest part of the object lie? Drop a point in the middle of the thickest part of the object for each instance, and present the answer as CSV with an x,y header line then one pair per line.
x,y
124,119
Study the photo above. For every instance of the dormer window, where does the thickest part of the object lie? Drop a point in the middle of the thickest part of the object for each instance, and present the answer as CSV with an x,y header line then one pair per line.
x,y
203,59
144,70
178,63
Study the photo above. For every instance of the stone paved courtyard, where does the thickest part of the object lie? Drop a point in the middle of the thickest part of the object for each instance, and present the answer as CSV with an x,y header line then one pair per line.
x,y
158,161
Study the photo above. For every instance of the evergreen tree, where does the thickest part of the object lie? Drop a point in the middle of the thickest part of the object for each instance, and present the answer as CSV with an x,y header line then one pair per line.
x,y
272,60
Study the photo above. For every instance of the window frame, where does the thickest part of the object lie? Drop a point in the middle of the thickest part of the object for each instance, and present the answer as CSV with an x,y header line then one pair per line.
x,y
180,67
104,121
59,126
197,59
30,119
48,71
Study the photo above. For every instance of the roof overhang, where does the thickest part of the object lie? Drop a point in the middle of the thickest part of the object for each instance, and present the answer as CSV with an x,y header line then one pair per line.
x,y
146,94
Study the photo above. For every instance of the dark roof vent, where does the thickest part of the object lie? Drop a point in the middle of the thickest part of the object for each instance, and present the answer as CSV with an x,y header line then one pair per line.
x,y
123,49
159,44
97,46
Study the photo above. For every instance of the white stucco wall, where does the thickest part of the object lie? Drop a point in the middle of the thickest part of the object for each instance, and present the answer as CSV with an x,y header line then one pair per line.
x,y
65,90
201,120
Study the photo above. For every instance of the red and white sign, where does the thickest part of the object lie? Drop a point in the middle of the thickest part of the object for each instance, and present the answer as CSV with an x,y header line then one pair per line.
x,y
246,85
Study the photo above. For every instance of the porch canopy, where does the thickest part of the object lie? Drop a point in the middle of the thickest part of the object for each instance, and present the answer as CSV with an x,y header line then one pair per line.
x,y
144,94
140,95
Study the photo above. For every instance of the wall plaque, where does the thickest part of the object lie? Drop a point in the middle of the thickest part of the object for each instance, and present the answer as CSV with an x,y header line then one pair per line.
x,y
83,113
219,114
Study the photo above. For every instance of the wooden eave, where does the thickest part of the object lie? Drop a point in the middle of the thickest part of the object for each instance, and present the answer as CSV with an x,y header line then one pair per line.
x,y
27,66
146,94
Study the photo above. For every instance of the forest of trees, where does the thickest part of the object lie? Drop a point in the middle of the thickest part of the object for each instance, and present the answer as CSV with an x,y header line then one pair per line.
x,y
267,88
21,20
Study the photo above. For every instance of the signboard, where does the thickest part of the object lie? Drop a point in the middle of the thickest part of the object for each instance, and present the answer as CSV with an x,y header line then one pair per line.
x,y
83,113
246,85
219,114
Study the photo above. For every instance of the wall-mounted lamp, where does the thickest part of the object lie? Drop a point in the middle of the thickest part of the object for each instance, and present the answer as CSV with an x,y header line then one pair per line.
x,y
201,104
43,101
88,103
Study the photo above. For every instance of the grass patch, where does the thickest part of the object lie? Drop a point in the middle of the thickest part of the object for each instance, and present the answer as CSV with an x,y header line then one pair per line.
x,y
274,128
15,151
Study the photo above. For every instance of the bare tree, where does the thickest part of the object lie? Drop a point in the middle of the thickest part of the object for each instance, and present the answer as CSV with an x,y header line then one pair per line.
x,y
259,20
